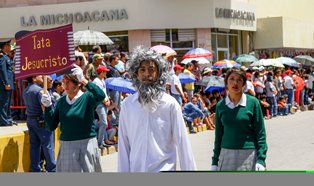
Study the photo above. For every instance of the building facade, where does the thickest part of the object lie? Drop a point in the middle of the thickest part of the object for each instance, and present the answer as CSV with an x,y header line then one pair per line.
x,y
224,26
284,28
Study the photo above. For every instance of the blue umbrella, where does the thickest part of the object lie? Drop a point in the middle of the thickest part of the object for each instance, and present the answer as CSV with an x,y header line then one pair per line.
x,y
215,83
55,77
186,78
120,84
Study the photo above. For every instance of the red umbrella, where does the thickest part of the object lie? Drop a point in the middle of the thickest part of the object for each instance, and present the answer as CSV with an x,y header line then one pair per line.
x,y
299,83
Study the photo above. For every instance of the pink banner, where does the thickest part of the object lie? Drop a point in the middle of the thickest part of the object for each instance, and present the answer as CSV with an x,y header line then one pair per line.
x,y
44,52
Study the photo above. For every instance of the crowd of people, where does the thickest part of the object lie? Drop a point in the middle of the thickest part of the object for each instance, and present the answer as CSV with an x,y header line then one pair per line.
x,y
150,125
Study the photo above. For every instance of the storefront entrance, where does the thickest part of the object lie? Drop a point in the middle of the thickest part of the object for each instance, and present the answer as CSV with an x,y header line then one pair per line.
x,y
222,53
225,43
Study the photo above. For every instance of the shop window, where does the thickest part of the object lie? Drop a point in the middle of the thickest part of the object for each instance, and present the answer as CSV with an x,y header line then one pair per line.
x,y
222,41
225,43
181,40
172,35
233,46
120,40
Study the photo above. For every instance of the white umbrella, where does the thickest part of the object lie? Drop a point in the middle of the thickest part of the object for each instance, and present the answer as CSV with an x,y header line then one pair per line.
x,y
91,37
288,61
268,62
163,49
201,60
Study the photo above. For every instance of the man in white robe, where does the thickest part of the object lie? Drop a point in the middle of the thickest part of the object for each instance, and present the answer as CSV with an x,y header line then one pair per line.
x,y
151,125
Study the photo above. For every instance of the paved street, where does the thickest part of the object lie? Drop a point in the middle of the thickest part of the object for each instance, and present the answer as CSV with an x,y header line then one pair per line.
x,y
290,145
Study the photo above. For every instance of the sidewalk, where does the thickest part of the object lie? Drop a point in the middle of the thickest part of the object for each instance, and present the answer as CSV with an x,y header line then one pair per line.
x,y
21,127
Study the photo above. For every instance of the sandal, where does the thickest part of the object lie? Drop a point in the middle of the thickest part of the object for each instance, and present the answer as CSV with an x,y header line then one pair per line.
x,y
109,142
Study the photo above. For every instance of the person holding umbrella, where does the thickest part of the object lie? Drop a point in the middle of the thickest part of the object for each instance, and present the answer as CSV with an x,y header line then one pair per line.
x,y
240,135
189,87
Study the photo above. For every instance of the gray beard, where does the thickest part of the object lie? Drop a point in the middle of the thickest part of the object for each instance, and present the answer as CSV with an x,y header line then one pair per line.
x,y
148,95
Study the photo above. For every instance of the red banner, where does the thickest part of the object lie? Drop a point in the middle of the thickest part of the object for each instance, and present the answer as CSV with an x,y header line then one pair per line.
x,y
44,52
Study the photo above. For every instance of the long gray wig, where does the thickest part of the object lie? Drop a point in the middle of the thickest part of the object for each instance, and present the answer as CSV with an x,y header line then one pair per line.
x,y
149,94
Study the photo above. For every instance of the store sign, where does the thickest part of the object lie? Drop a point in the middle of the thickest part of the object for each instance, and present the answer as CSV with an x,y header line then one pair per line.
x,y
234,14
44,52
77,17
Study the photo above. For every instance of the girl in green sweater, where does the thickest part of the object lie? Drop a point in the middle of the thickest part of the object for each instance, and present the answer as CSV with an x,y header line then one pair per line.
x,y
75,113
240,136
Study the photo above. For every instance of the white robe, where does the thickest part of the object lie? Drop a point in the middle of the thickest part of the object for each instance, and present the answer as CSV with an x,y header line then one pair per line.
x,y
147,141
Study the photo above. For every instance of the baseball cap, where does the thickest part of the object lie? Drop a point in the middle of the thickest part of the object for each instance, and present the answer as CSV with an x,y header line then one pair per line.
x,y
244,68
255,68
102,69
97,56
261,68
176,67
289,71
248,74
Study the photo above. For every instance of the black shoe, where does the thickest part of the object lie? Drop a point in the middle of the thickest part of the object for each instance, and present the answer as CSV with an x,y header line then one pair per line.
x,y
14,123
103,145
192,132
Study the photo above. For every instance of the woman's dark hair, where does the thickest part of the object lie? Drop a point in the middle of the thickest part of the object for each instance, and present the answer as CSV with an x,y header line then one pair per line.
x,y
113,57
95,48
71,78
55,84
188,65
109,112
215,72
235,71
263,96
277,71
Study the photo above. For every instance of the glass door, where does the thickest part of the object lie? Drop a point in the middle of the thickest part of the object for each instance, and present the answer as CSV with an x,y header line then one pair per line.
x,y
223,53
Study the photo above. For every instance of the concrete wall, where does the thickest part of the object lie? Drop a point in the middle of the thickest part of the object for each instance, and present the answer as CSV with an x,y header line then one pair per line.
x,y
139,37
297,33
142,14
269,34
14,151
292,19
281,32
302,9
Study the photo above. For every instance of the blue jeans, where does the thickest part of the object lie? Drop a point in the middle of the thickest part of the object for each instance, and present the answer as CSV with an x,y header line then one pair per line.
x,y
40,138
290,93
190,94
5,103
115,96
272,105
178,98
103,124
283,111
